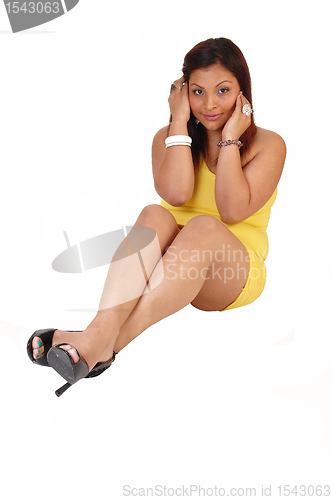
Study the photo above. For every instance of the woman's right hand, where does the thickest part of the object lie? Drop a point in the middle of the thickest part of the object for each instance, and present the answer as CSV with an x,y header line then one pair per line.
x,y
179,101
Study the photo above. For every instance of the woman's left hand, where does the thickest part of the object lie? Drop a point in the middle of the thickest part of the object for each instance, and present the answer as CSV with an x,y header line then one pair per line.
x,y
238,122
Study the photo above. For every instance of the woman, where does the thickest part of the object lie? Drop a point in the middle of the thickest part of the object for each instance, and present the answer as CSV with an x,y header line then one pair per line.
x,y
217,175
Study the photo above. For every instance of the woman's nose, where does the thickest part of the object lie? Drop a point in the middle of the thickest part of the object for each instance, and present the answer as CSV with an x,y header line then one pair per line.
x,y
210,102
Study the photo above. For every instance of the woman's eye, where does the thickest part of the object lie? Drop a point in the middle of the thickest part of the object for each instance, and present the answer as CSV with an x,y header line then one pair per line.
x,y
222,90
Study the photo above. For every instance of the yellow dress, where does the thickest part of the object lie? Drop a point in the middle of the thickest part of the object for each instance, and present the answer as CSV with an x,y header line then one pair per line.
x,y
251,232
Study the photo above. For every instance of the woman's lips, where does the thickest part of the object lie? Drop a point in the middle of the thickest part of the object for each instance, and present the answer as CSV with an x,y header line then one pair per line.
x,y
211,117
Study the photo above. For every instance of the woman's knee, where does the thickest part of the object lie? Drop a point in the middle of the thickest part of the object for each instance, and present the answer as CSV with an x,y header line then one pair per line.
x,y
162,221
205,225
154,213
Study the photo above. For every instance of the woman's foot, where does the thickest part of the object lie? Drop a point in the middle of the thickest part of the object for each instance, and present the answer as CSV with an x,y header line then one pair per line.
x,y
93,344
38,347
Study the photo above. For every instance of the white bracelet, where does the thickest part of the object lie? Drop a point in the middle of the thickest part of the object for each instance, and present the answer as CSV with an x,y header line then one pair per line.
x,y
177,144
177,140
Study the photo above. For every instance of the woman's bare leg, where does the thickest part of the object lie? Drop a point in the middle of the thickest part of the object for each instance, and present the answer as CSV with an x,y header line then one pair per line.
x,y
194,274
205,253
163,222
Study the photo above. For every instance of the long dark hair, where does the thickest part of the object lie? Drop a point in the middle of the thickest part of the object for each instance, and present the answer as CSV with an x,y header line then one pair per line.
x,y
226,53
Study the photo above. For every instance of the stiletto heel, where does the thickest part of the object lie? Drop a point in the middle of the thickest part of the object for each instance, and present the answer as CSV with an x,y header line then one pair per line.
x,y
62,389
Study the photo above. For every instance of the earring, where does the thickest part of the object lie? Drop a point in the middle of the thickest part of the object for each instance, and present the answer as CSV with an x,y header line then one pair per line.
x,y
197,121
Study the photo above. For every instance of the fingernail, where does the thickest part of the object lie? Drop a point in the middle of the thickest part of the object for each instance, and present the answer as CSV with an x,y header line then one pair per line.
x,y
39,343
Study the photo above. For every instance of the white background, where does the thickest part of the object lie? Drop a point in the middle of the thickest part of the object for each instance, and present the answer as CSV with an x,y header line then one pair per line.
x,y
238,399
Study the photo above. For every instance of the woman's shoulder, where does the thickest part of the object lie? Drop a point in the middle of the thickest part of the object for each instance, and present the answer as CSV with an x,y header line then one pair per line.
x,y
265,140
158,144
266,137
161,134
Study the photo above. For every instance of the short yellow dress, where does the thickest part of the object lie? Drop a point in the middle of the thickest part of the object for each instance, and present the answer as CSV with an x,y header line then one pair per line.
x,y
251,232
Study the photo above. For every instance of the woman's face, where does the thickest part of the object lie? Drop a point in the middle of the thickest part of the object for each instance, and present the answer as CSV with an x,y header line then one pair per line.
x,y
212,95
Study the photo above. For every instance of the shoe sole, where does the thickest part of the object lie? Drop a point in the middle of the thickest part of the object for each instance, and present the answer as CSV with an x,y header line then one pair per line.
x,y
61,362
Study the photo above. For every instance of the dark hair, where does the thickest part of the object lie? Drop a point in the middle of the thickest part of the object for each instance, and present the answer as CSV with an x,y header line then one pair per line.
x,y
204,54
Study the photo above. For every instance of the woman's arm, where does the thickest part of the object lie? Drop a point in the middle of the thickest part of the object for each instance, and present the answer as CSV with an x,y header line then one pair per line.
x,y
240,192
173,169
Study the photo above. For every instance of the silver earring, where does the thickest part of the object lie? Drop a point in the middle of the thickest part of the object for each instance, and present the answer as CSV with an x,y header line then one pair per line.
x,y
197,121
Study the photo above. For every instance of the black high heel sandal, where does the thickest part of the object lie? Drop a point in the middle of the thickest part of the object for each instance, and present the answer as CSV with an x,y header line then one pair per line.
x,y
64,367
46,336
62,362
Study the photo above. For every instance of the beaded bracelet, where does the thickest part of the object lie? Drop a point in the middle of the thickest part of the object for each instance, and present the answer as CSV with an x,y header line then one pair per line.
x,y
227,143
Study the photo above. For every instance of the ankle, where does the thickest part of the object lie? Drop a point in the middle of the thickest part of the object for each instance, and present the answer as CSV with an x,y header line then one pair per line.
x,y
105,320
